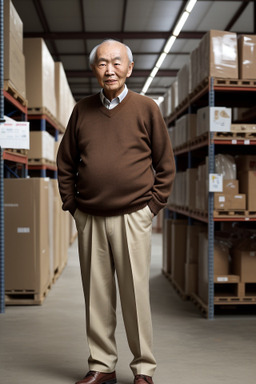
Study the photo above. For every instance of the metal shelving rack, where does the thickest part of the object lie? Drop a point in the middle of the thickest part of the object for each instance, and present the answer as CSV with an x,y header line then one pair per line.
x,y
207,91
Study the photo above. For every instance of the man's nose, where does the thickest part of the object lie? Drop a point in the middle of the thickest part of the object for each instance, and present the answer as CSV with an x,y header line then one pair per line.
x,y
109,69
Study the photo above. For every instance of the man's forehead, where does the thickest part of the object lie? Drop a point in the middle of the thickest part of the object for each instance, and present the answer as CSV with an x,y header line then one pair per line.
x,y
113,50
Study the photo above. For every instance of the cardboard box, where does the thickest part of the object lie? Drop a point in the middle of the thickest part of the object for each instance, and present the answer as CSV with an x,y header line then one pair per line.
x,y
247,56
42,146
178,252
183,83
14,66
13,25
191,174
244,264
218,55
167,243
192,242
247,182
230,187
191,122
191,278
174,95
221,263
215,119
27,263
226,201
246,163
40,75
64,98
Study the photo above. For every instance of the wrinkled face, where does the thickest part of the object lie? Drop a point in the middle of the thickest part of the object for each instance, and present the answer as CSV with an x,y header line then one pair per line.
x,y
112,67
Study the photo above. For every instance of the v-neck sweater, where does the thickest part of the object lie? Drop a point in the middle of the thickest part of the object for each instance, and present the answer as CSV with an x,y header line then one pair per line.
x,y
117,161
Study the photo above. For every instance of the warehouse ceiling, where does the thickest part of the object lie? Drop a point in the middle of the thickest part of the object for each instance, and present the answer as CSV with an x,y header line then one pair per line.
x,y
71,28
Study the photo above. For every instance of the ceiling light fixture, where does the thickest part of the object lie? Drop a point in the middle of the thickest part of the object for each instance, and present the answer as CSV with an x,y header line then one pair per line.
x,y
178,27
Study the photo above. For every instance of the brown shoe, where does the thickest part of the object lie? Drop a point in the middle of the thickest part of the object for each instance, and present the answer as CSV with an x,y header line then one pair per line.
x,y
143,379
94,377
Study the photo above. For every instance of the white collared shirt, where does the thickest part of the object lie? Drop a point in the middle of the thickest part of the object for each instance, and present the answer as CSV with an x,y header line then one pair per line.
x,y
113,103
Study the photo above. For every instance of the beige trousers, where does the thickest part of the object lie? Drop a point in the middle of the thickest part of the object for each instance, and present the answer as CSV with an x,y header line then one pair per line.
x,y
121,245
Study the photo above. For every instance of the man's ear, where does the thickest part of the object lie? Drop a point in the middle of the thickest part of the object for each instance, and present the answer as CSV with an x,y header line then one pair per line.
x,y
130,68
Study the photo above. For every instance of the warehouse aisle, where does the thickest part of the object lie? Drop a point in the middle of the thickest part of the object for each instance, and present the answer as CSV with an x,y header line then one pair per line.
x,y
46,344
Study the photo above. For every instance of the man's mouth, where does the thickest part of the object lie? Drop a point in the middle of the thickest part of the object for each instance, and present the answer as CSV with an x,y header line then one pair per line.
x,y
110,81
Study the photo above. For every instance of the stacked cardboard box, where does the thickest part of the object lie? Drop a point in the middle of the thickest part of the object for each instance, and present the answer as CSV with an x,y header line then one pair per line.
x,y
213,119
178,252
191,175
37,236
42,146
246,168
201,191
64,98
230,198
27,235
191,265
40,76
183,83
174,95
14,60
167,243
167,103
216,56
243,261
247,56
221,263
185,129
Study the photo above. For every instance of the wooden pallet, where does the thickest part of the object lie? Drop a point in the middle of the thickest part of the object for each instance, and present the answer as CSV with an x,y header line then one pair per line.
x,y
234,82
43,111
41,162
234,214
22,152
247,128
10,88
25,297
235,135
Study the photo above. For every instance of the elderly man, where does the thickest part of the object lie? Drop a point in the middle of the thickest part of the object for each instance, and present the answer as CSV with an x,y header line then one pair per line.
x,y
115,172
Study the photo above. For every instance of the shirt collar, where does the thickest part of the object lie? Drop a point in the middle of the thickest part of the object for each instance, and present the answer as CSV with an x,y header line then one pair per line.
x,y
108,104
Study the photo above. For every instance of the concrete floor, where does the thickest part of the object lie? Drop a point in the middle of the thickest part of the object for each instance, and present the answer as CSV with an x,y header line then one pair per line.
x,y
46,344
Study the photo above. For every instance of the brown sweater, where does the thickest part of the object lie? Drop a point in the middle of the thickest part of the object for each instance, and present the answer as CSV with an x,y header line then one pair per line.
x,y
113,162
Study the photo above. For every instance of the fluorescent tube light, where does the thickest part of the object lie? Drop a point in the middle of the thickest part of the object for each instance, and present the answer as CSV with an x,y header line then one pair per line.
x,y
190,5
154,72
169,44
147,84
161,60
180,23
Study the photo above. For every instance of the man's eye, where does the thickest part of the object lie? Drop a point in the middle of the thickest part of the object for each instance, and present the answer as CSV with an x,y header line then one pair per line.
x,y
102,65
117,63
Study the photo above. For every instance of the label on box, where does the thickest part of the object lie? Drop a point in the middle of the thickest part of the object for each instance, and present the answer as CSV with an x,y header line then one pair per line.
x,y
222,279
215,182
222,199
23,230
14,134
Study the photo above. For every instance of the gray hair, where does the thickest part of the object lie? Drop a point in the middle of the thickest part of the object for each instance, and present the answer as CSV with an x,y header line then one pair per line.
x,y
92,55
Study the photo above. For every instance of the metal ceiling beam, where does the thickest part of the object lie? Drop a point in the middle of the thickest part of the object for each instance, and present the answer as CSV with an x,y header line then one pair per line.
x,y
134,53
113,35
124,15
237,15
135,73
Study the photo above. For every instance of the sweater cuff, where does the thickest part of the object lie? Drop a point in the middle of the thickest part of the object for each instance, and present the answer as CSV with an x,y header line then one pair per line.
x,y
70,206
155,208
